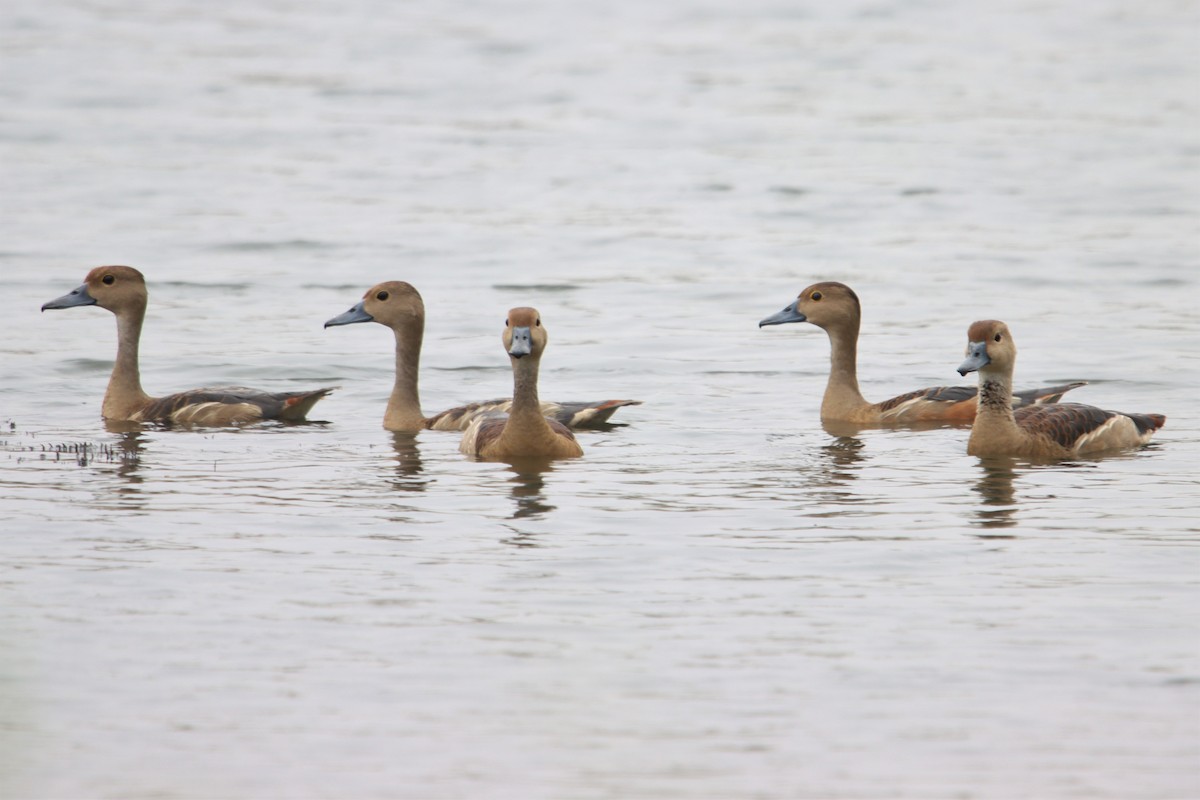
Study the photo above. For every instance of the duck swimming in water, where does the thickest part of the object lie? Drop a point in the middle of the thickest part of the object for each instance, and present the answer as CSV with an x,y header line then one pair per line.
x,y
524,431
1062,430
398,305
834,307
122,290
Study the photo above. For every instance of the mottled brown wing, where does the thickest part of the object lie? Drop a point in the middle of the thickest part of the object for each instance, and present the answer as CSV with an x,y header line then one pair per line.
x,y
938,394
163,409
573,414
487,431
957,394
560,429
1063,423
1044,394
585,415
459,417
281,405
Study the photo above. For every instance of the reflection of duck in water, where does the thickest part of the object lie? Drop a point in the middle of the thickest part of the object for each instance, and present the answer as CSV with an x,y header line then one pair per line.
x,y
840,460
130,444
122,290
995,487
1057,431
834,307
399,306
528,490
524,431
409,468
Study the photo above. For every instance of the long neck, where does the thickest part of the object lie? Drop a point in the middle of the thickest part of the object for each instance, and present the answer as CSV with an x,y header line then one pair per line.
x,y
404,406
124,395
994,417
525,389
525,420
841,392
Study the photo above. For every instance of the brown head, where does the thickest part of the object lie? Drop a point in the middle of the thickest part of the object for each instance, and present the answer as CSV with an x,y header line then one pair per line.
x,y
989,346
524,334
119,289
395,304
827,305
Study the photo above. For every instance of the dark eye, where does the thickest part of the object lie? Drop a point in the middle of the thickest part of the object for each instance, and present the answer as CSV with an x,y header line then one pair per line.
x,y
997,337
815,295
381,295
507,323
538,323
108,280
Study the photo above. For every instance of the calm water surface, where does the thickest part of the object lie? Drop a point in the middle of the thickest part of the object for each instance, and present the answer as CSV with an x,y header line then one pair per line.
x,y
721,599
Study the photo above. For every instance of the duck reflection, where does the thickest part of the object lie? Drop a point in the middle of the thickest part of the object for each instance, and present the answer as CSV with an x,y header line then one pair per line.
x,y
837,463
995,487
409,475
528,485
128,453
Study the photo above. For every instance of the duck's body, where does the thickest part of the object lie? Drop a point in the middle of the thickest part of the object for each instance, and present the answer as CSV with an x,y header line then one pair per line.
x,y
524,431
225,405
571,414
835,308
122,290
1064,430
398,305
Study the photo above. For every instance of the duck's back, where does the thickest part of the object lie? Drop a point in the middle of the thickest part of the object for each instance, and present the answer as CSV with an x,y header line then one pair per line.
x,y
1080,429
938,402
230,405
571,414
957,403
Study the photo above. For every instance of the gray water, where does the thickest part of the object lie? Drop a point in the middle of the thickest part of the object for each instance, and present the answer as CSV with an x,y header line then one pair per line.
x,y
721,599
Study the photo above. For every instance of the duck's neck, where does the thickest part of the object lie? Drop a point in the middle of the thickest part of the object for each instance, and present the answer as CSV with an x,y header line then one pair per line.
x,y
124,396
525,419
404,406
994,418
842,395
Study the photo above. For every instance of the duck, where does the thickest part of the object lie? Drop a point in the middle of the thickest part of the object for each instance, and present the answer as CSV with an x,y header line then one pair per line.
x,y
398,305
1060,431
122,290
835,308
524,431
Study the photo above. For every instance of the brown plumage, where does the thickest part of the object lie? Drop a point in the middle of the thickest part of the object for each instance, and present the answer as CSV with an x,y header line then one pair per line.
x,y
398,305
569,414
122,290
524,431
1064,430
835,308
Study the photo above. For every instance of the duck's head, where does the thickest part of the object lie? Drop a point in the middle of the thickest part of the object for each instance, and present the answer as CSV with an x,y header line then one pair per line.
x,y
524,334
989,346
827,305
391,303
116,288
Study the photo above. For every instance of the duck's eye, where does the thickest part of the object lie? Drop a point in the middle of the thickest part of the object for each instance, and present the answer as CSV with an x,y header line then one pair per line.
x,y
381,295
815,295
997,337
538,322
507,323
108,280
